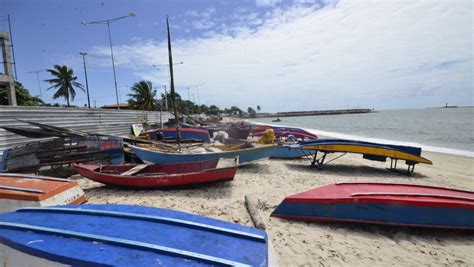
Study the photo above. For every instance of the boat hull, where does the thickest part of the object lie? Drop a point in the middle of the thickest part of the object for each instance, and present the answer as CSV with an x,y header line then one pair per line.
x,y
186,133
120,235
23,190
287,152
376,203
180,174
245,155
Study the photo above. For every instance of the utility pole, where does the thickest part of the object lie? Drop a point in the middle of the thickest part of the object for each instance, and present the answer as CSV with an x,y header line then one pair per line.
x,y
83,54
11,43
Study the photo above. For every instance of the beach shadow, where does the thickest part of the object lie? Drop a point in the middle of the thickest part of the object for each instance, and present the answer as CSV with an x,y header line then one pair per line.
x,y
216,189
352,170
394,232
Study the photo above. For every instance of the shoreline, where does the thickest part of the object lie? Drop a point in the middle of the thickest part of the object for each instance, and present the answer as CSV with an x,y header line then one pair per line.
x,y
326,134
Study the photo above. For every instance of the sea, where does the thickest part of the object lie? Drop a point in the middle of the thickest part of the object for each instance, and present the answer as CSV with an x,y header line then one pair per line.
x,y
445,130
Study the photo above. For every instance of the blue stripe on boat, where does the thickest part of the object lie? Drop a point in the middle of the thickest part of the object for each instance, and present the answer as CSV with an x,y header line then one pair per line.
x,y
381,213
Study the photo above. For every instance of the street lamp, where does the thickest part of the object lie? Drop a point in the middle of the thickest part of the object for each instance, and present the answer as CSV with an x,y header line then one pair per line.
x,y
83,54
39,84
197,89
108,21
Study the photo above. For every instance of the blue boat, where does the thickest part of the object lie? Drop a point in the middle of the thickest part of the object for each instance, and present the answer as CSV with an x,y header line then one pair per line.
x,y
289,152
120,235
246,155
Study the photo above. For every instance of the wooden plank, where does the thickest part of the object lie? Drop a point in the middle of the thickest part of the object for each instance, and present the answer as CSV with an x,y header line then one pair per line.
x,y
135,169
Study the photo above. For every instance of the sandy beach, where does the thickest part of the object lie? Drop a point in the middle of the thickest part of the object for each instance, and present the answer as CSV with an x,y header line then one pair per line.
x,y
320,244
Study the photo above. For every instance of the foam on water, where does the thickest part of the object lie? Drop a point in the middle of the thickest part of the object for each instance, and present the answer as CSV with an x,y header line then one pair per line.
x,y
384,141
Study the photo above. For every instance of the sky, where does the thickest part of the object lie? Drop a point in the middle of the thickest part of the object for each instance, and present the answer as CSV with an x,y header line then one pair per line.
x,y
282,55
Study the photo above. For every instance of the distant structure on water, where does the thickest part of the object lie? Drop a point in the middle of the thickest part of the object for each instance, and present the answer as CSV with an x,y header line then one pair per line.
x,y
314,113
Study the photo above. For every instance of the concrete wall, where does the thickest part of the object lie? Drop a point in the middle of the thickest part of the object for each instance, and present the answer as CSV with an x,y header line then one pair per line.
x,y
113,122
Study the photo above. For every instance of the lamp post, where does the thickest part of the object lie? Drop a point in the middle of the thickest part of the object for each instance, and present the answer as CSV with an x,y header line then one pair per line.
x,y
108,21
83,54
38,79
197,90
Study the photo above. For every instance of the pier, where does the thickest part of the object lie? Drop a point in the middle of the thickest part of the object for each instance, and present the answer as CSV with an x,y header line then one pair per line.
x,y
314,113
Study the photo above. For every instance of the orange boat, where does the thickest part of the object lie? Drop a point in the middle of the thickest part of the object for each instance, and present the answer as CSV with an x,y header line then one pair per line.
x,y
26,190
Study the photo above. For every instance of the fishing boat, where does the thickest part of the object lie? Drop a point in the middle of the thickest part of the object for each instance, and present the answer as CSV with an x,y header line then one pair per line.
x,y
121,235
186,134
161,175
289,152
382,203
25,190
371,151
245,155
284,132
239,130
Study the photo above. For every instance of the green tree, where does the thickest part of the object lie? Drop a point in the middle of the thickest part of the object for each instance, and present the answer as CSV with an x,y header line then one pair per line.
x,y
213,110
142,96
204,109
252,112
64,82
23,97
167,99
234,110
259,108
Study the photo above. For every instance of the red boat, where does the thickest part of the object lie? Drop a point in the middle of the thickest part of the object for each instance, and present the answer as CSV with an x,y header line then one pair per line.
x,y
380,203
161,175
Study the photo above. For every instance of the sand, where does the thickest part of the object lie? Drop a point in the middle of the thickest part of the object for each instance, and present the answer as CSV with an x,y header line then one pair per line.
x,y
320,244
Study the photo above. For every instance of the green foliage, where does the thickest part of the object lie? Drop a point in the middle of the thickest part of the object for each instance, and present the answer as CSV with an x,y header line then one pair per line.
x,y
252,112
213,110
64,82
143,96
259,108
23,96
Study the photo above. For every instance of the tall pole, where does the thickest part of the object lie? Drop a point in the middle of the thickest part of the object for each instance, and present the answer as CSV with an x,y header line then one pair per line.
x,y
173,96
108,21
166,98
39,85
83,54
11,43
113,64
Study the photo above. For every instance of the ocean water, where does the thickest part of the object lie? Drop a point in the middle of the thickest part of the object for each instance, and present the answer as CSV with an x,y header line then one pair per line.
x,y
447,130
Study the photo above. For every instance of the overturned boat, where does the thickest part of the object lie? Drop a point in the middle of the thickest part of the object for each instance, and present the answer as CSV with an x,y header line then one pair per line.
x,y
382,203
120,235
25,190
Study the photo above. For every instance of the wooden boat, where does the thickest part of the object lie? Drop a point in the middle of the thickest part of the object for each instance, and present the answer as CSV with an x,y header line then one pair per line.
x,y
289,152
186,133
24,190
380,203
62,151
370,151
162,175
284,132
238,130
246,155
121,235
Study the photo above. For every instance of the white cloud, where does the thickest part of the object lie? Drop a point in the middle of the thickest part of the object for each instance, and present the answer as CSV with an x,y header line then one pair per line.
x,y
355,53
267,2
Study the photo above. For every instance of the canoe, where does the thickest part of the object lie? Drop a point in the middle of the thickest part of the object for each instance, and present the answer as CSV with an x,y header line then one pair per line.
x,y
186,133
121,235
246,155
162,175
371,151
382,203
24,190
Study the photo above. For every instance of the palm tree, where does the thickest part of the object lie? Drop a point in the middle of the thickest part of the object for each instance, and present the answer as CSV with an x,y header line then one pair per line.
x,y
143,96
64,82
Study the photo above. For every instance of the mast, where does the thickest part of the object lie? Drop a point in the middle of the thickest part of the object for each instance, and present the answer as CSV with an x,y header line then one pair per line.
x,y
173,96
